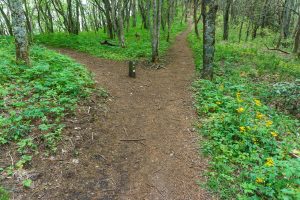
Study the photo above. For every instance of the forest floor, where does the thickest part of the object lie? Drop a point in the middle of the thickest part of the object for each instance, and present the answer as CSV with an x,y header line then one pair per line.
x,y
141,145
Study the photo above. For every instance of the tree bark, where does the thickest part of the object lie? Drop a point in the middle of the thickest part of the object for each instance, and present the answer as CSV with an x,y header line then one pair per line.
x,y
226,20
7,21
196,19
134,13
209,12
20,33
156,7
170,17
296,48
121,25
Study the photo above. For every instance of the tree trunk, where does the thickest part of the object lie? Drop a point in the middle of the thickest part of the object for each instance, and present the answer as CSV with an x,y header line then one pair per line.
x,y
19,30
226,20
170,18
209,12
7,21
156,5
241,30
28,21
196,2
108,18
121,25
134,13
297,39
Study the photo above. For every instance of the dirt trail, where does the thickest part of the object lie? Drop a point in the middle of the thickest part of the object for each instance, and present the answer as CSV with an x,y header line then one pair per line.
x,y
155,108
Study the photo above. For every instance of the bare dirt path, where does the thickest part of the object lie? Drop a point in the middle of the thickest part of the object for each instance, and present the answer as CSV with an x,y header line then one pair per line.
x,y
155,109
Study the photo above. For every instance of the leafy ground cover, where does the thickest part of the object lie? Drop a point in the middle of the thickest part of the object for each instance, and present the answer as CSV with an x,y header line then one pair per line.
x,y
3,194
89,42
35,99
253,144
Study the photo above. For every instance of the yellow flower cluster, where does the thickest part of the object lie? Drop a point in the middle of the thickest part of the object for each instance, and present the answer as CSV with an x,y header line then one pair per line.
x,y
259,180
274,134
257,102
242,128
259,115
269,123
218,103
269,162
240,110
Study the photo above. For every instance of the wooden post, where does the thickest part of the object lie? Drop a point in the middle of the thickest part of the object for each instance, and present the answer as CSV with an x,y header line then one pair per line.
x,y
132,69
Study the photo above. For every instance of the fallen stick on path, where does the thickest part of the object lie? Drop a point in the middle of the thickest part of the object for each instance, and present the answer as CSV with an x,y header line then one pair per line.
x,y
132,140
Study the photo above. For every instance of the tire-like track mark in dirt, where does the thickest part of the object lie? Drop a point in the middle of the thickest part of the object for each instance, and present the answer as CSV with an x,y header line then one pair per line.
x,y
155,107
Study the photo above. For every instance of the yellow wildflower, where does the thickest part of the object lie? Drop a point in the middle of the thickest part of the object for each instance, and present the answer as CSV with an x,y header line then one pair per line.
x,y
269,162
269,123
242,128
257,102
259,180
240,110
218,102
238,97
274,134
259,115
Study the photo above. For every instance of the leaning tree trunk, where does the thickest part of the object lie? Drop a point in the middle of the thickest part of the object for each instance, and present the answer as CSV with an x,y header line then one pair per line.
x,y
209,12
20,33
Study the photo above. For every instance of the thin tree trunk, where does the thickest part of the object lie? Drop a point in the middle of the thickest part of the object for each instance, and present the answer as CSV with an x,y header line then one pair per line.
x,y
297,39
241,30
156,29
226,20
170,18
28,21
121,25
7,21
134,13
196,18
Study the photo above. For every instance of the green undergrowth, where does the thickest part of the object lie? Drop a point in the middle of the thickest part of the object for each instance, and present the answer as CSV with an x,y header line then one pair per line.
x,y
3,194
252,145
35,99
89,42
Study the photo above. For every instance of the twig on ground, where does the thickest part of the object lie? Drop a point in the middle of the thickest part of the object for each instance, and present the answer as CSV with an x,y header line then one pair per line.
x,y
132,140
11,158
125,131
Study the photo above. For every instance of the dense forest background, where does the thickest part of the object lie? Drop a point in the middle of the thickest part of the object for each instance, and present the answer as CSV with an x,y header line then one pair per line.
x,y
246,91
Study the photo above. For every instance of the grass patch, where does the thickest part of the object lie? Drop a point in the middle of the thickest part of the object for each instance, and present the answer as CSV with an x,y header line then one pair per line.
x,y
252,145
89,42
